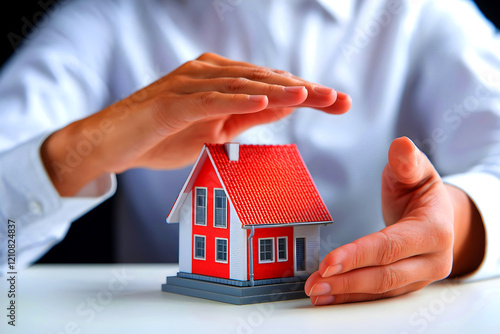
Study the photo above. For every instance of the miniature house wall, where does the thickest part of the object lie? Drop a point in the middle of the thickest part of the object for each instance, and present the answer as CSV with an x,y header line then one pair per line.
x,y
249,199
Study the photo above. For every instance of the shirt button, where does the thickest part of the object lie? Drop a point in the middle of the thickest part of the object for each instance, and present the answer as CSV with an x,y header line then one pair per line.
x,y
36,207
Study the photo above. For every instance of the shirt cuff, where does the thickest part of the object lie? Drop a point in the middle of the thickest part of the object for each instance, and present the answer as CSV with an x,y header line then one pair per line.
x,y
42,216
484,190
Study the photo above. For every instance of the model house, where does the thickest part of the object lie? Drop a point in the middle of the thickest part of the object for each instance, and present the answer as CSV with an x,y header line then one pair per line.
x,y
249,215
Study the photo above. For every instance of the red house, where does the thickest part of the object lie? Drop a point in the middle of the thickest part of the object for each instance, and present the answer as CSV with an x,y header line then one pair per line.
x,y
249,213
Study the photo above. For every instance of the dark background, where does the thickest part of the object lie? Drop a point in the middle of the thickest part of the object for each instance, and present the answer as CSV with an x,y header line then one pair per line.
x,y
90,239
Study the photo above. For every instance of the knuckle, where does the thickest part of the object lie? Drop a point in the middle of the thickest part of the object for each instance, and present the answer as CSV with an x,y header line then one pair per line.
x,y
284,73
206,56
260,73
192,65
390,250
392,279
357,260
204,103
235,85
345,284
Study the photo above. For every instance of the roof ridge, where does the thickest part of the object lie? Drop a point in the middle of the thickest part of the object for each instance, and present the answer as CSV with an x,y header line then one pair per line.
x,y
252,145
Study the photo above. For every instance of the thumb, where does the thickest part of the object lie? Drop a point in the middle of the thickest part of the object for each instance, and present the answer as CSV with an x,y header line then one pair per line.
x,y
408,165
408,175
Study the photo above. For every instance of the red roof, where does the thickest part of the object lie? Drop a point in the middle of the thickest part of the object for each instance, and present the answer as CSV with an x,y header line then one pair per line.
x,y
269,184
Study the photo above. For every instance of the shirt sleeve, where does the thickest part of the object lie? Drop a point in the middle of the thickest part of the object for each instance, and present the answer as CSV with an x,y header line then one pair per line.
x,y
52,80
33,206
456,110
484,190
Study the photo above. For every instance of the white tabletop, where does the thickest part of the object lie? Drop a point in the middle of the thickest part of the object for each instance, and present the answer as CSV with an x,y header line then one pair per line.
x,y
128,299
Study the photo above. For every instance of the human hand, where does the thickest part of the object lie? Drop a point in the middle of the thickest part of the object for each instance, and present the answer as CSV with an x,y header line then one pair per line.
x,y
217,91
414,250
211,99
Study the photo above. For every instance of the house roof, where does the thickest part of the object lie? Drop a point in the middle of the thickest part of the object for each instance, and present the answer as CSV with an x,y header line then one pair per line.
x,y
269,184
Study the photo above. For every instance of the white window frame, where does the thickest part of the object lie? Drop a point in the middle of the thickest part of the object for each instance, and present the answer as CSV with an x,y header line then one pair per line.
x,y
278,251
225,209
216,250
272,251
204,247
196,206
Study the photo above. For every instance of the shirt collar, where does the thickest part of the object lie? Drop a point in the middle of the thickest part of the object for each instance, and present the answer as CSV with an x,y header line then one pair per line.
x,y
338,9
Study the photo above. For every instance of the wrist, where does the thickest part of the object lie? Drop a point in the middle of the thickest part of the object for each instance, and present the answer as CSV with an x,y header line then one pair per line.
x,y
69,157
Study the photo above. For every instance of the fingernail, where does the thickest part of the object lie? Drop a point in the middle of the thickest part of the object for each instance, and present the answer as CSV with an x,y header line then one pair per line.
x,y
294,89
416,150
257,98
319,289
323,300
332,270
323,90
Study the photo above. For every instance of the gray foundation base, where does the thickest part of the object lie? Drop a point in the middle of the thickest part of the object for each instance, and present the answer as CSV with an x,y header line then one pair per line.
x,y
235,294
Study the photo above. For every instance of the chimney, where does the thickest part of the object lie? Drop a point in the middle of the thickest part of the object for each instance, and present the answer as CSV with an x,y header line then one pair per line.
x,y
232,151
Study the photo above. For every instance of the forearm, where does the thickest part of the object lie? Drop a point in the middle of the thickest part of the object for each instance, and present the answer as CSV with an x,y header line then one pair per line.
x,y
69,159
98,144
469,234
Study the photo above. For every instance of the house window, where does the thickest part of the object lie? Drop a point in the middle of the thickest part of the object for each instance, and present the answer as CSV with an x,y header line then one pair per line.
x,y
199,247
266,250
221,250
220,203
282,249
201,206
300,254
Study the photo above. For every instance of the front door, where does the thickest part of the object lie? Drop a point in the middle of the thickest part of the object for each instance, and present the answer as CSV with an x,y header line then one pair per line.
x,y
300,254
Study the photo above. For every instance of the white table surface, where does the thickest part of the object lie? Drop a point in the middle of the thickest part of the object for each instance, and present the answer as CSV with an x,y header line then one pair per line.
x,y
128,299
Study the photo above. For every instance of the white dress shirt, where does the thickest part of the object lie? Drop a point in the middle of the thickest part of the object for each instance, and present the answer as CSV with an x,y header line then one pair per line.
x,y
429,70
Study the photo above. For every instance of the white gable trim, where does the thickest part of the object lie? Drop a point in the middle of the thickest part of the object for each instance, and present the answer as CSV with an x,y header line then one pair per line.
x,y
174,215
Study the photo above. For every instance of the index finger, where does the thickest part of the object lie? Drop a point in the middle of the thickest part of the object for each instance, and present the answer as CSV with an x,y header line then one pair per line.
x,y
393,243
341,104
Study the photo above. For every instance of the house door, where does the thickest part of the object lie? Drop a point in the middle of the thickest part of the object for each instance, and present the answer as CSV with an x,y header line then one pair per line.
x,y
300,254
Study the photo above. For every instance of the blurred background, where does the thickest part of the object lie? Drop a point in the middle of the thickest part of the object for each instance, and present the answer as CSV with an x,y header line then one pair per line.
x,y
90,239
